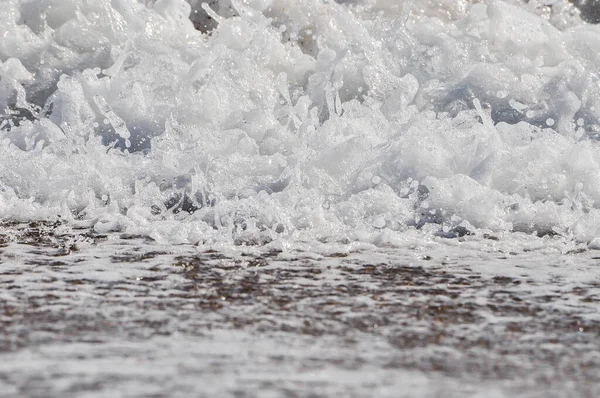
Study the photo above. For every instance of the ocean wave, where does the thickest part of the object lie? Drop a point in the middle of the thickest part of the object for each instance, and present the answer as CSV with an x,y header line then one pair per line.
x,y
256,121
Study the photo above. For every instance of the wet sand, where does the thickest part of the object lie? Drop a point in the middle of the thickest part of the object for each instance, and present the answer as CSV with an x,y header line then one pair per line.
x,y
88,315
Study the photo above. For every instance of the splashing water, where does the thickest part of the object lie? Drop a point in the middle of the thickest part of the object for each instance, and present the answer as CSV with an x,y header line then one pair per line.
x,y
284,121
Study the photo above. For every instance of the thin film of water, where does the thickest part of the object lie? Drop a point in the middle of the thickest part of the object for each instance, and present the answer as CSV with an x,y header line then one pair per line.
x,y
90,315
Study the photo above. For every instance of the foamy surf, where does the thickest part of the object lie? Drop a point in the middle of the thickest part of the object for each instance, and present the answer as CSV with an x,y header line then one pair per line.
x,y
282,122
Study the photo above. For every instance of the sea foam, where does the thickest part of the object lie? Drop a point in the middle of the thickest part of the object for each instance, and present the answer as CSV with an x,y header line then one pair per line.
x,y
259,121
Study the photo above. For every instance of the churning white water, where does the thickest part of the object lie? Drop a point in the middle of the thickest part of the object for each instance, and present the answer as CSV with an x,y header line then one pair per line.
x,y
286,121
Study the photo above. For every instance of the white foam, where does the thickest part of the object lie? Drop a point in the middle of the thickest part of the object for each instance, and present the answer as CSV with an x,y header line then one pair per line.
x,y
300,121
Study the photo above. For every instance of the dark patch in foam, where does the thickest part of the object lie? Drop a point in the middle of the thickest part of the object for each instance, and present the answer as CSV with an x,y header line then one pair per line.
x,y
590,10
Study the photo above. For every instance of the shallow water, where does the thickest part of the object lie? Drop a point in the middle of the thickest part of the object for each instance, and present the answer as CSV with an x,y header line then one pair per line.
x,y
89,315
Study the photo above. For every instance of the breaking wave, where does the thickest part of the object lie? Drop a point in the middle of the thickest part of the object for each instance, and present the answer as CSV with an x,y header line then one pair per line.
x,y
252,121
